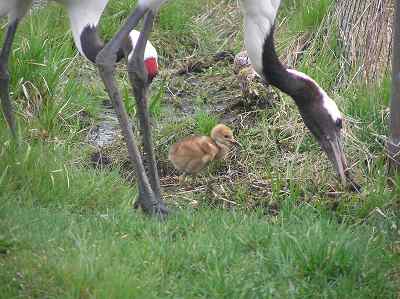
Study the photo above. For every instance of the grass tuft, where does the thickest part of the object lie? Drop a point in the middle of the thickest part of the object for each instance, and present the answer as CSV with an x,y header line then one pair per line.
x,y
43,175
204,123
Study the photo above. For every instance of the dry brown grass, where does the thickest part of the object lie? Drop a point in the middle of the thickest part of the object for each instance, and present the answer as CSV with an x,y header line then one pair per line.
x,y
365,29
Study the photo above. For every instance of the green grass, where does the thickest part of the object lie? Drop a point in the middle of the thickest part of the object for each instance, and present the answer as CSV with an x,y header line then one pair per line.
x,y
204,254
205,123
45,175
155,106
260,225
39,69
306,15
368,106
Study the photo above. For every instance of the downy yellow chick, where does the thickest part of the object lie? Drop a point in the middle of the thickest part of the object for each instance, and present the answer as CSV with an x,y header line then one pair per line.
x,y
193,153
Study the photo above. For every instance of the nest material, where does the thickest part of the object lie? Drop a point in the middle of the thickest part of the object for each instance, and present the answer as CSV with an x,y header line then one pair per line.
x,y
255,91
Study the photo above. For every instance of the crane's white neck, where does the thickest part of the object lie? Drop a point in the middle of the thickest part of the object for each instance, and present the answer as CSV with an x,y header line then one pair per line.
x,y
259,17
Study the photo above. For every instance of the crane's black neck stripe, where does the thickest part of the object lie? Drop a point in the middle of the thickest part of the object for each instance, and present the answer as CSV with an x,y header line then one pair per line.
x,y
275,73
92,44
301,90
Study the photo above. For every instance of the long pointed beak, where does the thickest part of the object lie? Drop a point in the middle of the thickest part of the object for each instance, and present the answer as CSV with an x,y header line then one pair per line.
x,y
337,157
335,153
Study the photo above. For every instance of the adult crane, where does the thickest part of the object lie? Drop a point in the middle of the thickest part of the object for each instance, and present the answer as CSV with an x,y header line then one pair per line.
x,y
319,112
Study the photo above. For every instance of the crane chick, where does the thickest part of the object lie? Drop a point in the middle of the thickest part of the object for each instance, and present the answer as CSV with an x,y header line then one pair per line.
x,y
193,153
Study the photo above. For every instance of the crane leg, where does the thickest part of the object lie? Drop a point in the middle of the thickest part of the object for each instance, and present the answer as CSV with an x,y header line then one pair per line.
x,y
148,201
5,77
139,81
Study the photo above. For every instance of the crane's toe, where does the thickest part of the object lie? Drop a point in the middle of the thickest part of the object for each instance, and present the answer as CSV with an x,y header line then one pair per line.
x,y
152,206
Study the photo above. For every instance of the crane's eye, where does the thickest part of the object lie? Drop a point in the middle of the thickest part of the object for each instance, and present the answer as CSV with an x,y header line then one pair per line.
x,y
227,136
339,123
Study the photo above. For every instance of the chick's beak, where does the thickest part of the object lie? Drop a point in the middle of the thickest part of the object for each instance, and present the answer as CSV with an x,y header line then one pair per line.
x,y
235,142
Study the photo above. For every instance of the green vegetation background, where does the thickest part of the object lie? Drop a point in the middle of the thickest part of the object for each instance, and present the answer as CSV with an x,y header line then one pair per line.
x,y
67,230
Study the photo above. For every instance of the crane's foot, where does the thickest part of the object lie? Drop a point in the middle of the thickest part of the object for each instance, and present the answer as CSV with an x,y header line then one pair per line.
x,y
157,208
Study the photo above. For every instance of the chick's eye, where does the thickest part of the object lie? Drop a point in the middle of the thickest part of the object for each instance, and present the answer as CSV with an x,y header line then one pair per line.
x,y
227,136
339,123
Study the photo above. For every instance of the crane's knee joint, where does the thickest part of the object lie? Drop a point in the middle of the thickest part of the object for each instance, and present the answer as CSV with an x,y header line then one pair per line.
x,y
106,60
